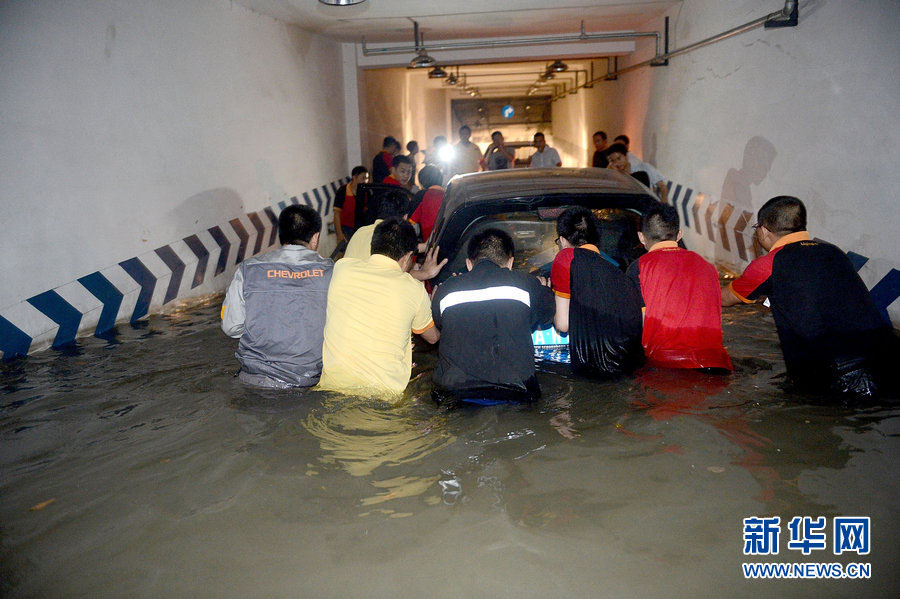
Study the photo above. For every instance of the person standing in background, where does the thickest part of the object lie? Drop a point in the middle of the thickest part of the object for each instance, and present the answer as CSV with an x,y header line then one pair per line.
x,y
467,155
401,171
344,218
545,157
600,145
497,156
425,213
413,148
384,160
657,181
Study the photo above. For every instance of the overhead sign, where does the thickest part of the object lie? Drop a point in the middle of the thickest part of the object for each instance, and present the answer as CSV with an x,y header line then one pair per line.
x,y
508,111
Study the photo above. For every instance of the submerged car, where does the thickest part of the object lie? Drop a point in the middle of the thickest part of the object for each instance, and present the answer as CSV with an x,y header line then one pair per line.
x,y
526,203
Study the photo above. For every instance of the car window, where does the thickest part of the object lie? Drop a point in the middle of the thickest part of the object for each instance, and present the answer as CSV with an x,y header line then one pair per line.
x,y
534,235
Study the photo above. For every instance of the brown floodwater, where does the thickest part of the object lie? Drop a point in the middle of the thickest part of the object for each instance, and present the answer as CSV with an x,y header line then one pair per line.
x,y
139,467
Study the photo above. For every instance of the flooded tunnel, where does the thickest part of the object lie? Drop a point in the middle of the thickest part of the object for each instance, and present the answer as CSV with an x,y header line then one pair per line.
x,y
149,150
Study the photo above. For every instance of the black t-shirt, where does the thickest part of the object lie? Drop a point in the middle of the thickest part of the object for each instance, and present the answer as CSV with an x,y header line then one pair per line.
x,y
381,168
600,159
486,317
604,318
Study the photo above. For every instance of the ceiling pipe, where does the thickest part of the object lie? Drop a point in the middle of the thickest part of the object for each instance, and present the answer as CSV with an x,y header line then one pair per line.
x,y
582,37
786,17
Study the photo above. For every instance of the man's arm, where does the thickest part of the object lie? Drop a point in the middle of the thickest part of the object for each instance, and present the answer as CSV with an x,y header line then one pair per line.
x,y
422,322
730,298
752,285
431,335
338,230
561,318
233,312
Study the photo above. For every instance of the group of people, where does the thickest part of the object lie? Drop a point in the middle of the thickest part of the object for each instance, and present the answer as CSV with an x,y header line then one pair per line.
x,y
618,157
303,320
458,159
466,157
354,214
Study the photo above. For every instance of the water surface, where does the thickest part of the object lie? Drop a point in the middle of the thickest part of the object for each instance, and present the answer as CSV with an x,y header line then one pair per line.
x,y
139,467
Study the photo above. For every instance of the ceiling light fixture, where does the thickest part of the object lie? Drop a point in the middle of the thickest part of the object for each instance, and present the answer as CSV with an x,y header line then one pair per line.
x,y
437,73
558,66
341,2
422,60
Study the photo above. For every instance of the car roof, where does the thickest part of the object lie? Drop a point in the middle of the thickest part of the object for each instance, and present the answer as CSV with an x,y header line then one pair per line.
x,y
472,196
491,185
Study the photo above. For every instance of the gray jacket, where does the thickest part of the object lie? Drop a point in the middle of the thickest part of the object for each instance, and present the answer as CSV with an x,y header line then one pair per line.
x,y
276,306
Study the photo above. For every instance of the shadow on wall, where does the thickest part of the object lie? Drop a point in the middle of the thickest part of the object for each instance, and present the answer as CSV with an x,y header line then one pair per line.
x,y
207,208
650,150
265,179
759,155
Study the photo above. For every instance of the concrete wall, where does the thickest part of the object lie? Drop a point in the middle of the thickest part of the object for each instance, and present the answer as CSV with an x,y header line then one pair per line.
x,y
386,110
808,111
142,144
576,117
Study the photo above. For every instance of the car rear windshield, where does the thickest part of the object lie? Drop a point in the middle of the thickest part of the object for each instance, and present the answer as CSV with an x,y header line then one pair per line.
x,y
535,238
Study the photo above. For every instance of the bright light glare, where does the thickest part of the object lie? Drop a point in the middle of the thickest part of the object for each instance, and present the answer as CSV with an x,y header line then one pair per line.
x,y
446,154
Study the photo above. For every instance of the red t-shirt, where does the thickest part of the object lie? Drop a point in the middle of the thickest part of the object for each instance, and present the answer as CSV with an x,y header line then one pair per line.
x,y
426,213
389,180
348,209
683,317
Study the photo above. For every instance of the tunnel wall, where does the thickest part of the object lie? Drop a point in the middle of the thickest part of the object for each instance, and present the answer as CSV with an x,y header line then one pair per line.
x,y
387,110
808,111
576,117
147,149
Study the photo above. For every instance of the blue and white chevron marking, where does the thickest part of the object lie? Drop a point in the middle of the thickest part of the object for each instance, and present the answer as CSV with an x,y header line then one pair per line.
x,y
199,264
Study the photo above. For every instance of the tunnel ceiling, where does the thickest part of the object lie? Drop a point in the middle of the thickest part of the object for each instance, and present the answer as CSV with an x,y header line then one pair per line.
x,y
389,20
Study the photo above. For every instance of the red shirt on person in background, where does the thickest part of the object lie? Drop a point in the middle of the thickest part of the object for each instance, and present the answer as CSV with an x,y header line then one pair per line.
x,y
426,213
683,311
346,201
389,180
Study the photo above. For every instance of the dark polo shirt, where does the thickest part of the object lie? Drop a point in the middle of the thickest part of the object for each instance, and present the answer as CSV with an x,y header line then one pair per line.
x,y
824,314
486,317
604,313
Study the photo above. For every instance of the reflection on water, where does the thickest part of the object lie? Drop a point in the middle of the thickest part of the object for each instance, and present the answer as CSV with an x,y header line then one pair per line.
x,y
362,436
137,466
